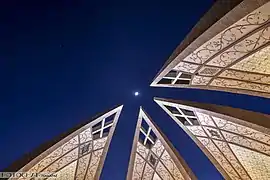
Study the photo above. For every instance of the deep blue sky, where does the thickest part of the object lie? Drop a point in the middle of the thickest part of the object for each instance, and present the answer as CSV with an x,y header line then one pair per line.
x,y
64,61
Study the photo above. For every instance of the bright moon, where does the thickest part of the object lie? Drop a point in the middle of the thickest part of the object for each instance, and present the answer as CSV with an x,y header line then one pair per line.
x,y
136,93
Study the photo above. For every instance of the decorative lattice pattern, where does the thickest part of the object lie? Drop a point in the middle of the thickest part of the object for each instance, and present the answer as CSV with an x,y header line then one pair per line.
x,y
236,60
264,79
259,62
155,161
230,35
255,163
236,84
235,147
80,156
67,173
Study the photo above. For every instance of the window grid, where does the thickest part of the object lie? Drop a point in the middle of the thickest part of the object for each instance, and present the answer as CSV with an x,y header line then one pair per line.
x,y
102,128
185,116
147,136
177,78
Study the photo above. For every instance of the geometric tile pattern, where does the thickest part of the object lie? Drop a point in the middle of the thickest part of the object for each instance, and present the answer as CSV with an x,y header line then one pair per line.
x,y
245,76
254,162
80,156
242,152
238,84
200,80
230,35
67,173
236,59
208,71
153,159
259,62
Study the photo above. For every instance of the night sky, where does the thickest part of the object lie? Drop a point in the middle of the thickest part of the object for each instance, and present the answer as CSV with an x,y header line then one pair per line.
x,y
64,61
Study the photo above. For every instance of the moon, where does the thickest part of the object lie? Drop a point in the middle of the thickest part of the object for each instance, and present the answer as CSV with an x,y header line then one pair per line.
x,y
136,93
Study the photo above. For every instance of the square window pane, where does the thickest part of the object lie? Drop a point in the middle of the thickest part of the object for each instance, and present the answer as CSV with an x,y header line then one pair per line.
x,y
153,137
172,109
172,74
185,82
187,112
194,121
109,119
96,126
187,76
141,137
106,131
182,120
144,126
165,81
